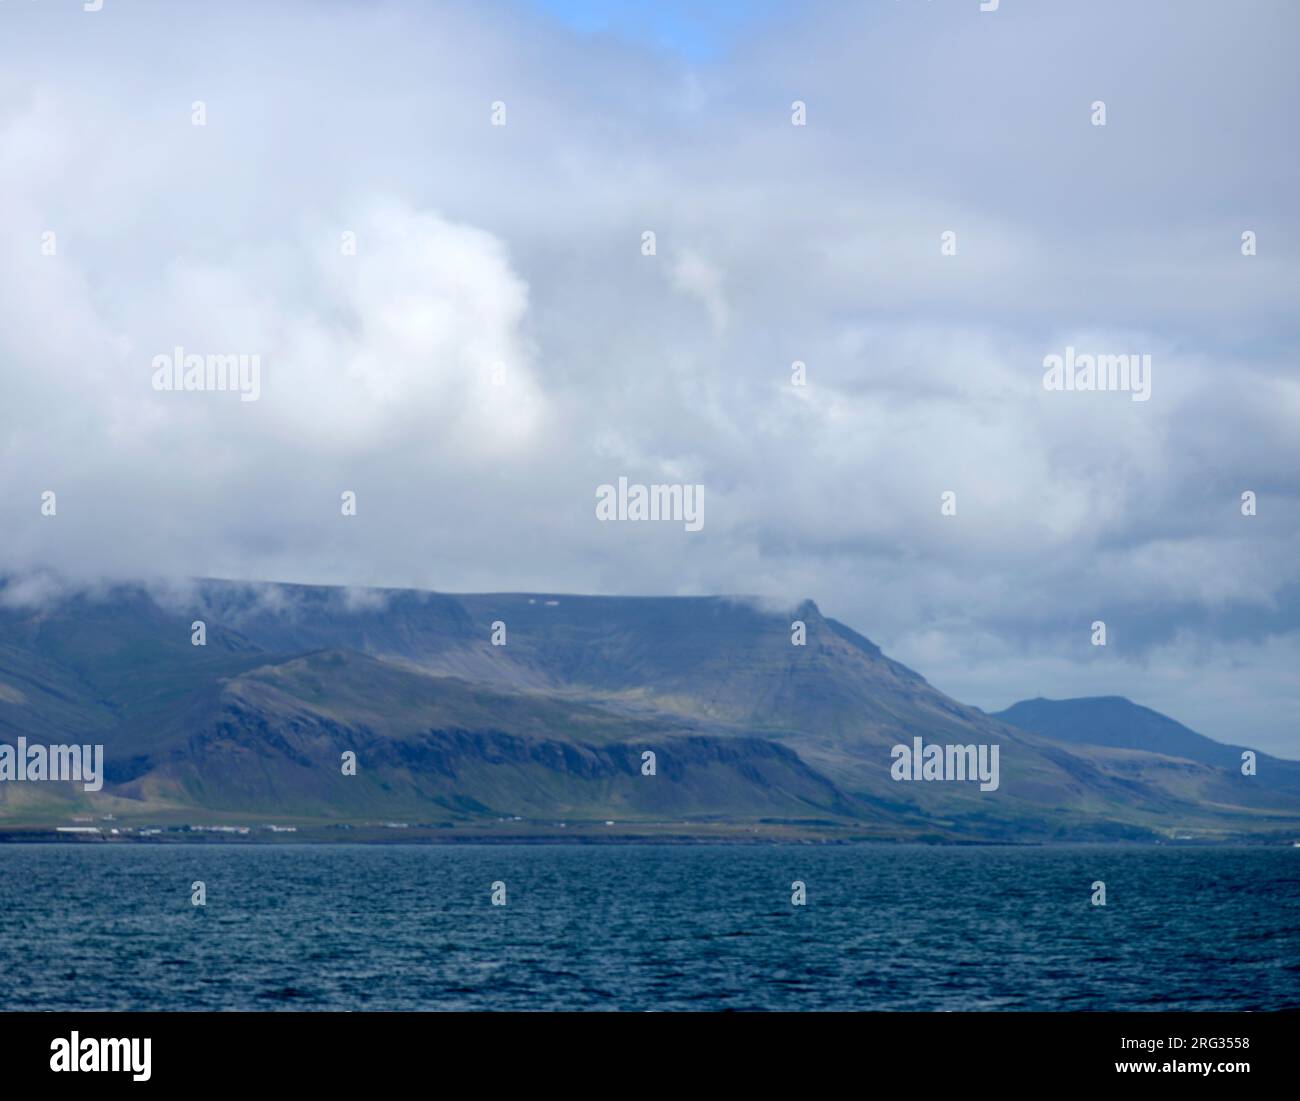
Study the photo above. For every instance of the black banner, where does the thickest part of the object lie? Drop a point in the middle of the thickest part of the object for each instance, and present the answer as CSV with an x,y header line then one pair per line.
x,y
1224,1051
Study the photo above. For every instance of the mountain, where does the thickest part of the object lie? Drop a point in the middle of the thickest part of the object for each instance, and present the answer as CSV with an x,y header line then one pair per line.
x,y
750,733
1115,721
1119,723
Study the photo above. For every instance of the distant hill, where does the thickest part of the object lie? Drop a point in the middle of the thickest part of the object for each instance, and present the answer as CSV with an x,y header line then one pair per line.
x,y
1115,721
1121,724
450,729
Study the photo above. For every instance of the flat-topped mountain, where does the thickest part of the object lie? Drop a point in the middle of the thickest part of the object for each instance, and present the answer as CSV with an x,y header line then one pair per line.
x,y
554,721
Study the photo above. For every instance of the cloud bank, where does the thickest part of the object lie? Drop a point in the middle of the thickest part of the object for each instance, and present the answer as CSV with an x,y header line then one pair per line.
x,y
458,322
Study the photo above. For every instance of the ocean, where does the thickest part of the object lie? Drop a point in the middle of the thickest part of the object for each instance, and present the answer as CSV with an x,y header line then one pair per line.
x,y
647,927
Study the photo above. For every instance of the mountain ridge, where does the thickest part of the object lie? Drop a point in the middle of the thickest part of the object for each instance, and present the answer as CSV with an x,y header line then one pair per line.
x,y
552,723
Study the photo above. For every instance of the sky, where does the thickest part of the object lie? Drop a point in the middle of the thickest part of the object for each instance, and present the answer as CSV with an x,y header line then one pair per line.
x,y
694,31
498,344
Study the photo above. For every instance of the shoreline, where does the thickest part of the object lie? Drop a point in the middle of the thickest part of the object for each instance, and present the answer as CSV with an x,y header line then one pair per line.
x,y
420,839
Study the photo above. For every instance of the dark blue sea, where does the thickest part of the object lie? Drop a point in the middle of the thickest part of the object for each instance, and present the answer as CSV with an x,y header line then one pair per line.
x,y
662,927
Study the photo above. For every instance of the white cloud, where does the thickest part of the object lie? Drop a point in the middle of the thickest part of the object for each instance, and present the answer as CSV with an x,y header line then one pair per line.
x,y
517,247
